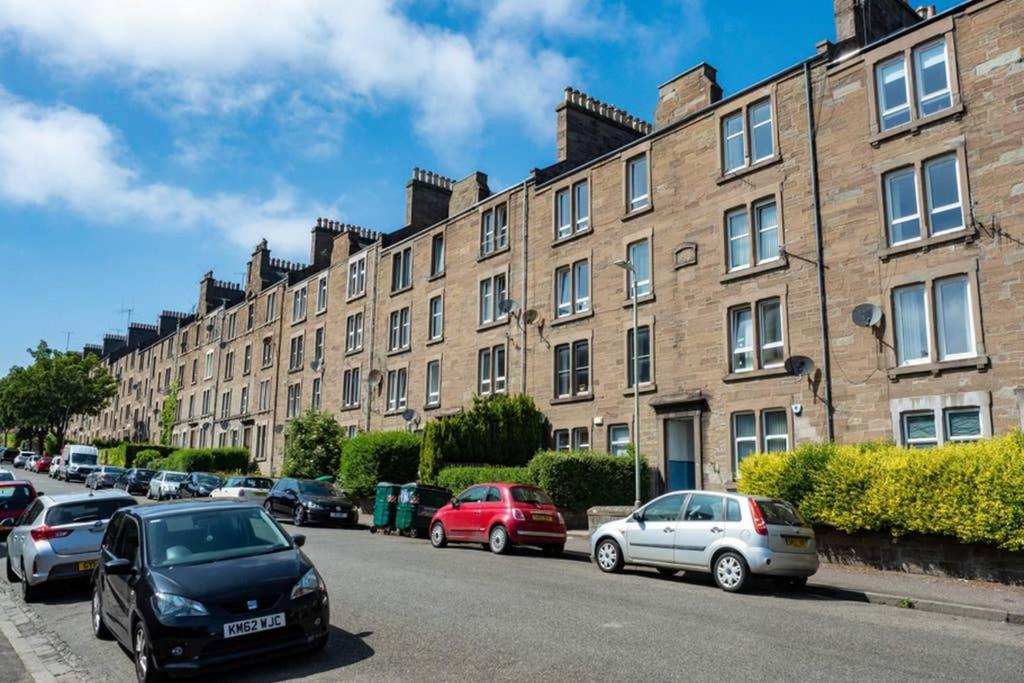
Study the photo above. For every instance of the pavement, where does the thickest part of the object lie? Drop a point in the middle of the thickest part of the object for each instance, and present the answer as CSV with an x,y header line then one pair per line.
x,y
403,610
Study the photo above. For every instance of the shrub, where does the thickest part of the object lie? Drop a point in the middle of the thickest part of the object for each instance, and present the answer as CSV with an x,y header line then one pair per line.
x,y
372,457
497,430
970,491
207,460
50,444
582,479
102,443
313,446
459,477
124,454
146,457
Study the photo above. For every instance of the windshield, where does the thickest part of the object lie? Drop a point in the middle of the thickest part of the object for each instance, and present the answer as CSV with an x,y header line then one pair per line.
x,y
85,511
208,480
528,495
780,512
6,476
113,470
145,474
14,497
82,459
318,488
202,536
174,476
250,482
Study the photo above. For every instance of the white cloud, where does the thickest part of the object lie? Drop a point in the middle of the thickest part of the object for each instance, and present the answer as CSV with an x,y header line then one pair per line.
x,y
60,156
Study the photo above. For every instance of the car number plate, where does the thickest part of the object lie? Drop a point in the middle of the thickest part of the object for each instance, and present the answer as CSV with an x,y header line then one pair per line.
x,y
338,514
87,566
542,518
247,626
795,541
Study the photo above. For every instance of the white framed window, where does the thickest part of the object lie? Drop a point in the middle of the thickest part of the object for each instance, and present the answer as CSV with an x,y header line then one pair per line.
x,y
774,431
294,404
942,190
354,332
580,439
500,226
893,94
208,366
963,424
398,330
247,359
741,336
744,437
207,403
572,369
560,439
225,404
572,210
644,355
487,232
318,345
271,312
581,206
913,345
314,401
401,269
494,229
492,293
433,383
357,277
762,143
267,356
350,388
435,326
563,214
932,78
738,227
572,289
499,368
296,352
954,321
638,193
901,206
919,429
321,294
769,314
299,304
397,381
250,317
491,370
734,144
437,254
483,383
639,254
618,439
264,395
766,222
232,325
243,401
229,365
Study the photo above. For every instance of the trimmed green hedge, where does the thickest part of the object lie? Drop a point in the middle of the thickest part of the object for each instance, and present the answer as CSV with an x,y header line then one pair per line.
x,y
581,479
971,491
372,457
207,460
458,477
498,430
124,454
146,458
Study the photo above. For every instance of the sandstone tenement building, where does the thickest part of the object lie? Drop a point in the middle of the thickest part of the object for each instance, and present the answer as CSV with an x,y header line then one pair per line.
x,y
861,209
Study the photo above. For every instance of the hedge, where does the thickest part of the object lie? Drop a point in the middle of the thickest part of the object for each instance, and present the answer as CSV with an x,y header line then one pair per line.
x,y
497,430
581,479
146,458
207,460
971,491
372,457
312,446
124,454
458,477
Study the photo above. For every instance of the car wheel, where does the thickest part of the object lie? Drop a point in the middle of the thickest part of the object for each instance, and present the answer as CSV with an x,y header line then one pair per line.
x,y
609,556
268,507
144,669
499,543
298,515
99,629
666,572
11,576
731,572
552,550
28,591
438,538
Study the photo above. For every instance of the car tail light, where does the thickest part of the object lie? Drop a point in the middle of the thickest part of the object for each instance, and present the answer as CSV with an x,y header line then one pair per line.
x,y
45,533
518,514
241,493
760,526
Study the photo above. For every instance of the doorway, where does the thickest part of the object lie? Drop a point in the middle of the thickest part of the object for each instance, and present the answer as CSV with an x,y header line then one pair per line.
x,y
680,453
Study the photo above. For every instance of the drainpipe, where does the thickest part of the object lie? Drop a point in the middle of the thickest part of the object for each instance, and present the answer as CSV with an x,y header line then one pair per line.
x,y
371,347
523,306
812,147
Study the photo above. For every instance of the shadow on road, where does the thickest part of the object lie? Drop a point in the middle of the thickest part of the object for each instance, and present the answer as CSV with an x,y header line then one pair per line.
x,y
342,650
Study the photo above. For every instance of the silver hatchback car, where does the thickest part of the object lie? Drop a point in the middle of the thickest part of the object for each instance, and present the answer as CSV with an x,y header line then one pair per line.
x,y
58,537
729,535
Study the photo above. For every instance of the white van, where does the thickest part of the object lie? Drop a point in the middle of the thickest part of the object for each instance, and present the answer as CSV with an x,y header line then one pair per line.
x,y
77,461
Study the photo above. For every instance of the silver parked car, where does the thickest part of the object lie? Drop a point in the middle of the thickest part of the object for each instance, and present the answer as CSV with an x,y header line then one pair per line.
x,y
165,485
729,535
58,537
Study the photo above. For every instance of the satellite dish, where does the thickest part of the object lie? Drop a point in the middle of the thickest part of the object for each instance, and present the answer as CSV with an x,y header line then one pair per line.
x,y
224,424
799,366
506,305
409,415
209,327
530,316
866,315
315,365
278,429
374,376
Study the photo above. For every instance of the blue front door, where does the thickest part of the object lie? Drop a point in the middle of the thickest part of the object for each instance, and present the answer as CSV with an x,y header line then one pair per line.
x,y
680,451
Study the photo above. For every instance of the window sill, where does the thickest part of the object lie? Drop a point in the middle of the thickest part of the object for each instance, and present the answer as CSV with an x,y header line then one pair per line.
x,y
979,363
394,413
558,241
320,312
357,297
763,373
965,235
431,406
348,409
648,388
431,342
640,300
563,400
630,215
566,319
298,321
436,276
746,170
753,271
354,352
262,367
493,254
398,352
396,292
491,325
292,371
914,127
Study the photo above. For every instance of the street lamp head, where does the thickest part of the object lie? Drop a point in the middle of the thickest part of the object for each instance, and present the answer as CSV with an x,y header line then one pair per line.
x,y
624,264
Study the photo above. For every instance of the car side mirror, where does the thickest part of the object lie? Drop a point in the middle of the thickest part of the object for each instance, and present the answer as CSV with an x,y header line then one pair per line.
x,y
9,521
39,493
299,540
118,566
455,503
638,515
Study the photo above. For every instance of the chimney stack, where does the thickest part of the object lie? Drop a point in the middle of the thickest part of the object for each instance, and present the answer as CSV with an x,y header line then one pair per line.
x,y
467,192
588,128
688,92
426,198
862,22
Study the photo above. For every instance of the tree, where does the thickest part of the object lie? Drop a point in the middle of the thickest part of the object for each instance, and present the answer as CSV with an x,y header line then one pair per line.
x,y
313,446
57,386
167,414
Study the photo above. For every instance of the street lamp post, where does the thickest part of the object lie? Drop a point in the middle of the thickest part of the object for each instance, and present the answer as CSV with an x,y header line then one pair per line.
x,y
630,268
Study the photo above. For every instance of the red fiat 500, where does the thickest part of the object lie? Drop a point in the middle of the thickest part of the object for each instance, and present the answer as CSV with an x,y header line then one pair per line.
x,y
500,516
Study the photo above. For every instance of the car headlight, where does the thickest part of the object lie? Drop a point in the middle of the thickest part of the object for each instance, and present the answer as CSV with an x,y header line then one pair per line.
x,y
168,605
313,505
309,583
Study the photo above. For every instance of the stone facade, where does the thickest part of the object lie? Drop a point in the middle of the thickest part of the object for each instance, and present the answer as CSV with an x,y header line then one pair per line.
x,y
519,290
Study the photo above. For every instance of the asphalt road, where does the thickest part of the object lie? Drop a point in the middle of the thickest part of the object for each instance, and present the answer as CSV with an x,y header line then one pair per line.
x,y
402,610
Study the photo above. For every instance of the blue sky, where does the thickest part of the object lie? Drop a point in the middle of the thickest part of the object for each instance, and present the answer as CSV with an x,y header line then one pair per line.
x,y
142,144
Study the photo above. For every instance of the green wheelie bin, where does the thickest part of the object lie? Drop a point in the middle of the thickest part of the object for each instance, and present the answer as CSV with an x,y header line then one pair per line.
x,y
384,505
417,504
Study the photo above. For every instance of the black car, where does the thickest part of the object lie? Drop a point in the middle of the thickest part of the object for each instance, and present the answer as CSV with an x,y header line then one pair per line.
x,y
305,500
198,485
8,454
135,481
187,586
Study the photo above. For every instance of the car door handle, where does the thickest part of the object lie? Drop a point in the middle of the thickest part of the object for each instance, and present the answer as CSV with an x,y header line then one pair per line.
x,y
717,530
667,529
